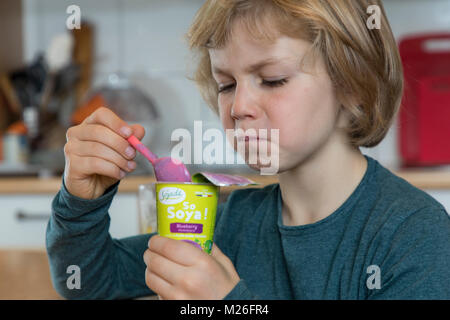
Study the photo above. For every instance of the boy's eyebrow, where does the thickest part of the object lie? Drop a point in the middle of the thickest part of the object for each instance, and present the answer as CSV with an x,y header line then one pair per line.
x,y
251,68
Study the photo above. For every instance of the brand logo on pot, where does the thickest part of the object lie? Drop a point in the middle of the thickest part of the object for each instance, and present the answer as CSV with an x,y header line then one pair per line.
x,y
171,195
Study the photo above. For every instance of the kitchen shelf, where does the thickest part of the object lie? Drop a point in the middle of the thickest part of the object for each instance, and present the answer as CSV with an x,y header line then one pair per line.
x,y
422,179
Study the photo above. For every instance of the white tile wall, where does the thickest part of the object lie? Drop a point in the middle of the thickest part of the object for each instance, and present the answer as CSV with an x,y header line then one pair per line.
x,y
144,38
153,34
46,18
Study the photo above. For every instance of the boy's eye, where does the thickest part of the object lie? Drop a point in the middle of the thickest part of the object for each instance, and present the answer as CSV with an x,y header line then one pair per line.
x,y
271,84
224,88
276,83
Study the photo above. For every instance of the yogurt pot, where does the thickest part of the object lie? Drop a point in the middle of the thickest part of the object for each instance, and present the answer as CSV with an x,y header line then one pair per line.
x,y
187,212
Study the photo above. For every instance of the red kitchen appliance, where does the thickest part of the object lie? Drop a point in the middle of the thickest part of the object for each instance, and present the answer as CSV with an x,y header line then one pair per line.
x,y
424,118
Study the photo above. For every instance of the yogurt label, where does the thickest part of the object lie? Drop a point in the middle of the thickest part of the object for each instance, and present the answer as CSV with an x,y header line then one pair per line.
x,y
187,212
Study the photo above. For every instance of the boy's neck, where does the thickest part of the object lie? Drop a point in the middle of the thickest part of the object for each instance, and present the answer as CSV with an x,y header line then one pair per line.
x,y
316,188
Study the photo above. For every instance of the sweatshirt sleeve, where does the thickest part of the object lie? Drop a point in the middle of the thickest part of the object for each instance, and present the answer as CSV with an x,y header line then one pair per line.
x,y
416,265
78,240
240,292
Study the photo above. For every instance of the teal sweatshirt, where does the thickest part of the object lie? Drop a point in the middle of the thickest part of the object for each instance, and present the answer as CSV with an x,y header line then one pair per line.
x,y
388,240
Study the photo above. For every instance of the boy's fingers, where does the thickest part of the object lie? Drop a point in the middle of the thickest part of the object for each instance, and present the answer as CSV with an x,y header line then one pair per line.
x,y
106,117
106,136
217,254
157,284
94,165
99,150
167,269
138,131
176,250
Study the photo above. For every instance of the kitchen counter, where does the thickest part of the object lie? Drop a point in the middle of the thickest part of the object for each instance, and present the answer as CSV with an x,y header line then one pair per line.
x,y
421,178
23,185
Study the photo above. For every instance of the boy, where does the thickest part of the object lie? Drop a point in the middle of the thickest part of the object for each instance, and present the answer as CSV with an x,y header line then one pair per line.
x,y
337,226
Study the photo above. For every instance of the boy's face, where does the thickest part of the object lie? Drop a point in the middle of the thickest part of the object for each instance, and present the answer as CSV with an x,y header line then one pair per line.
x,y
303,106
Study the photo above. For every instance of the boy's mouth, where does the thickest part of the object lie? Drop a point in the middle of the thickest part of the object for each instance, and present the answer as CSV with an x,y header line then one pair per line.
x,y
248,137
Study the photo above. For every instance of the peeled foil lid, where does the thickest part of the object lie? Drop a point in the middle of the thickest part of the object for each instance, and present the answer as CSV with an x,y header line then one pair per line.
x,y
221,179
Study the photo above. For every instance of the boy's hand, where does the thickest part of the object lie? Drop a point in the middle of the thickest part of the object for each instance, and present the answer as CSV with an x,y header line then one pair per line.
x,y
97,153
179,270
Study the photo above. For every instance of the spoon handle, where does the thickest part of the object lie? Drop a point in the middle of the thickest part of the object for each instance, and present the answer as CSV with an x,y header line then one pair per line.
x,y
142,149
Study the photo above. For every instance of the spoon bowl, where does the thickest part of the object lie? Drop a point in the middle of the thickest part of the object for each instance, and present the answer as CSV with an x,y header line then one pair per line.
x,y
166,169
170,169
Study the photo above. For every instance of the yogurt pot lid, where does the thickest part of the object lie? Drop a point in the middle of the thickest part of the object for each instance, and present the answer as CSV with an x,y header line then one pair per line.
x,y
221,179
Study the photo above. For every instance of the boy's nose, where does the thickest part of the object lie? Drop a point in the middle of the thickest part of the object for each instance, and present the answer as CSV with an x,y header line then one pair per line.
x,y
244,104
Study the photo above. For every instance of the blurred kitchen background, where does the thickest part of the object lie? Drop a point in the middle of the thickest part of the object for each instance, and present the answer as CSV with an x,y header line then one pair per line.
x,y
131,56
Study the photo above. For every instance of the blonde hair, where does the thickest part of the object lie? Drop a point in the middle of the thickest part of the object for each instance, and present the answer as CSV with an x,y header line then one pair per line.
x,y
363,64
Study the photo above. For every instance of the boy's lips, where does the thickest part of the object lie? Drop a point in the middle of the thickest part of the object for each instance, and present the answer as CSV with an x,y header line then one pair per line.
x,y
249,138
246,137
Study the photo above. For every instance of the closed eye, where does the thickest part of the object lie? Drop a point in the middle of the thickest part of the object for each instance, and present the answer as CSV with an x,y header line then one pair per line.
x,y
276,83
225,88
271,84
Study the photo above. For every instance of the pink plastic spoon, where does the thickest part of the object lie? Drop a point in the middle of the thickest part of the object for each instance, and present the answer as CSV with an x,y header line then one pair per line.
x,y
166,169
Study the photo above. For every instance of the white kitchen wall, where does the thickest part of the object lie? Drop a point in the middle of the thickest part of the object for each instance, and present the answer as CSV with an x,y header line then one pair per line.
x,y
407,17
144,39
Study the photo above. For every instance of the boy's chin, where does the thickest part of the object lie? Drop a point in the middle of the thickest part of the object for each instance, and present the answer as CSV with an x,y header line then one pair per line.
x,y
264,169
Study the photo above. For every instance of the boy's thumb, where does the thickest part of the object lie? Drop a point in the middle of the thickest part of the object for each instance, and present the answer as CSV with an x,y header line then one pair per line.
x,y
138,131
217,254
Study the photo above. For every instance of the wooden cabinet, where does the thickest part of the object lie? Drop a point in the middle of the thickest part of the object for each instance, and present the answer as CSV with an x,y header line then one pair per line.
x,y
25,274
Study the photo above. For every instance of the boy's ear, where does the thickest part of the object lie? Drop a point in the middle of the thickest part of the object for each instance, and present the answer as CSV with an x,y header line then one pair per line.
x,y
343,118
344,115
